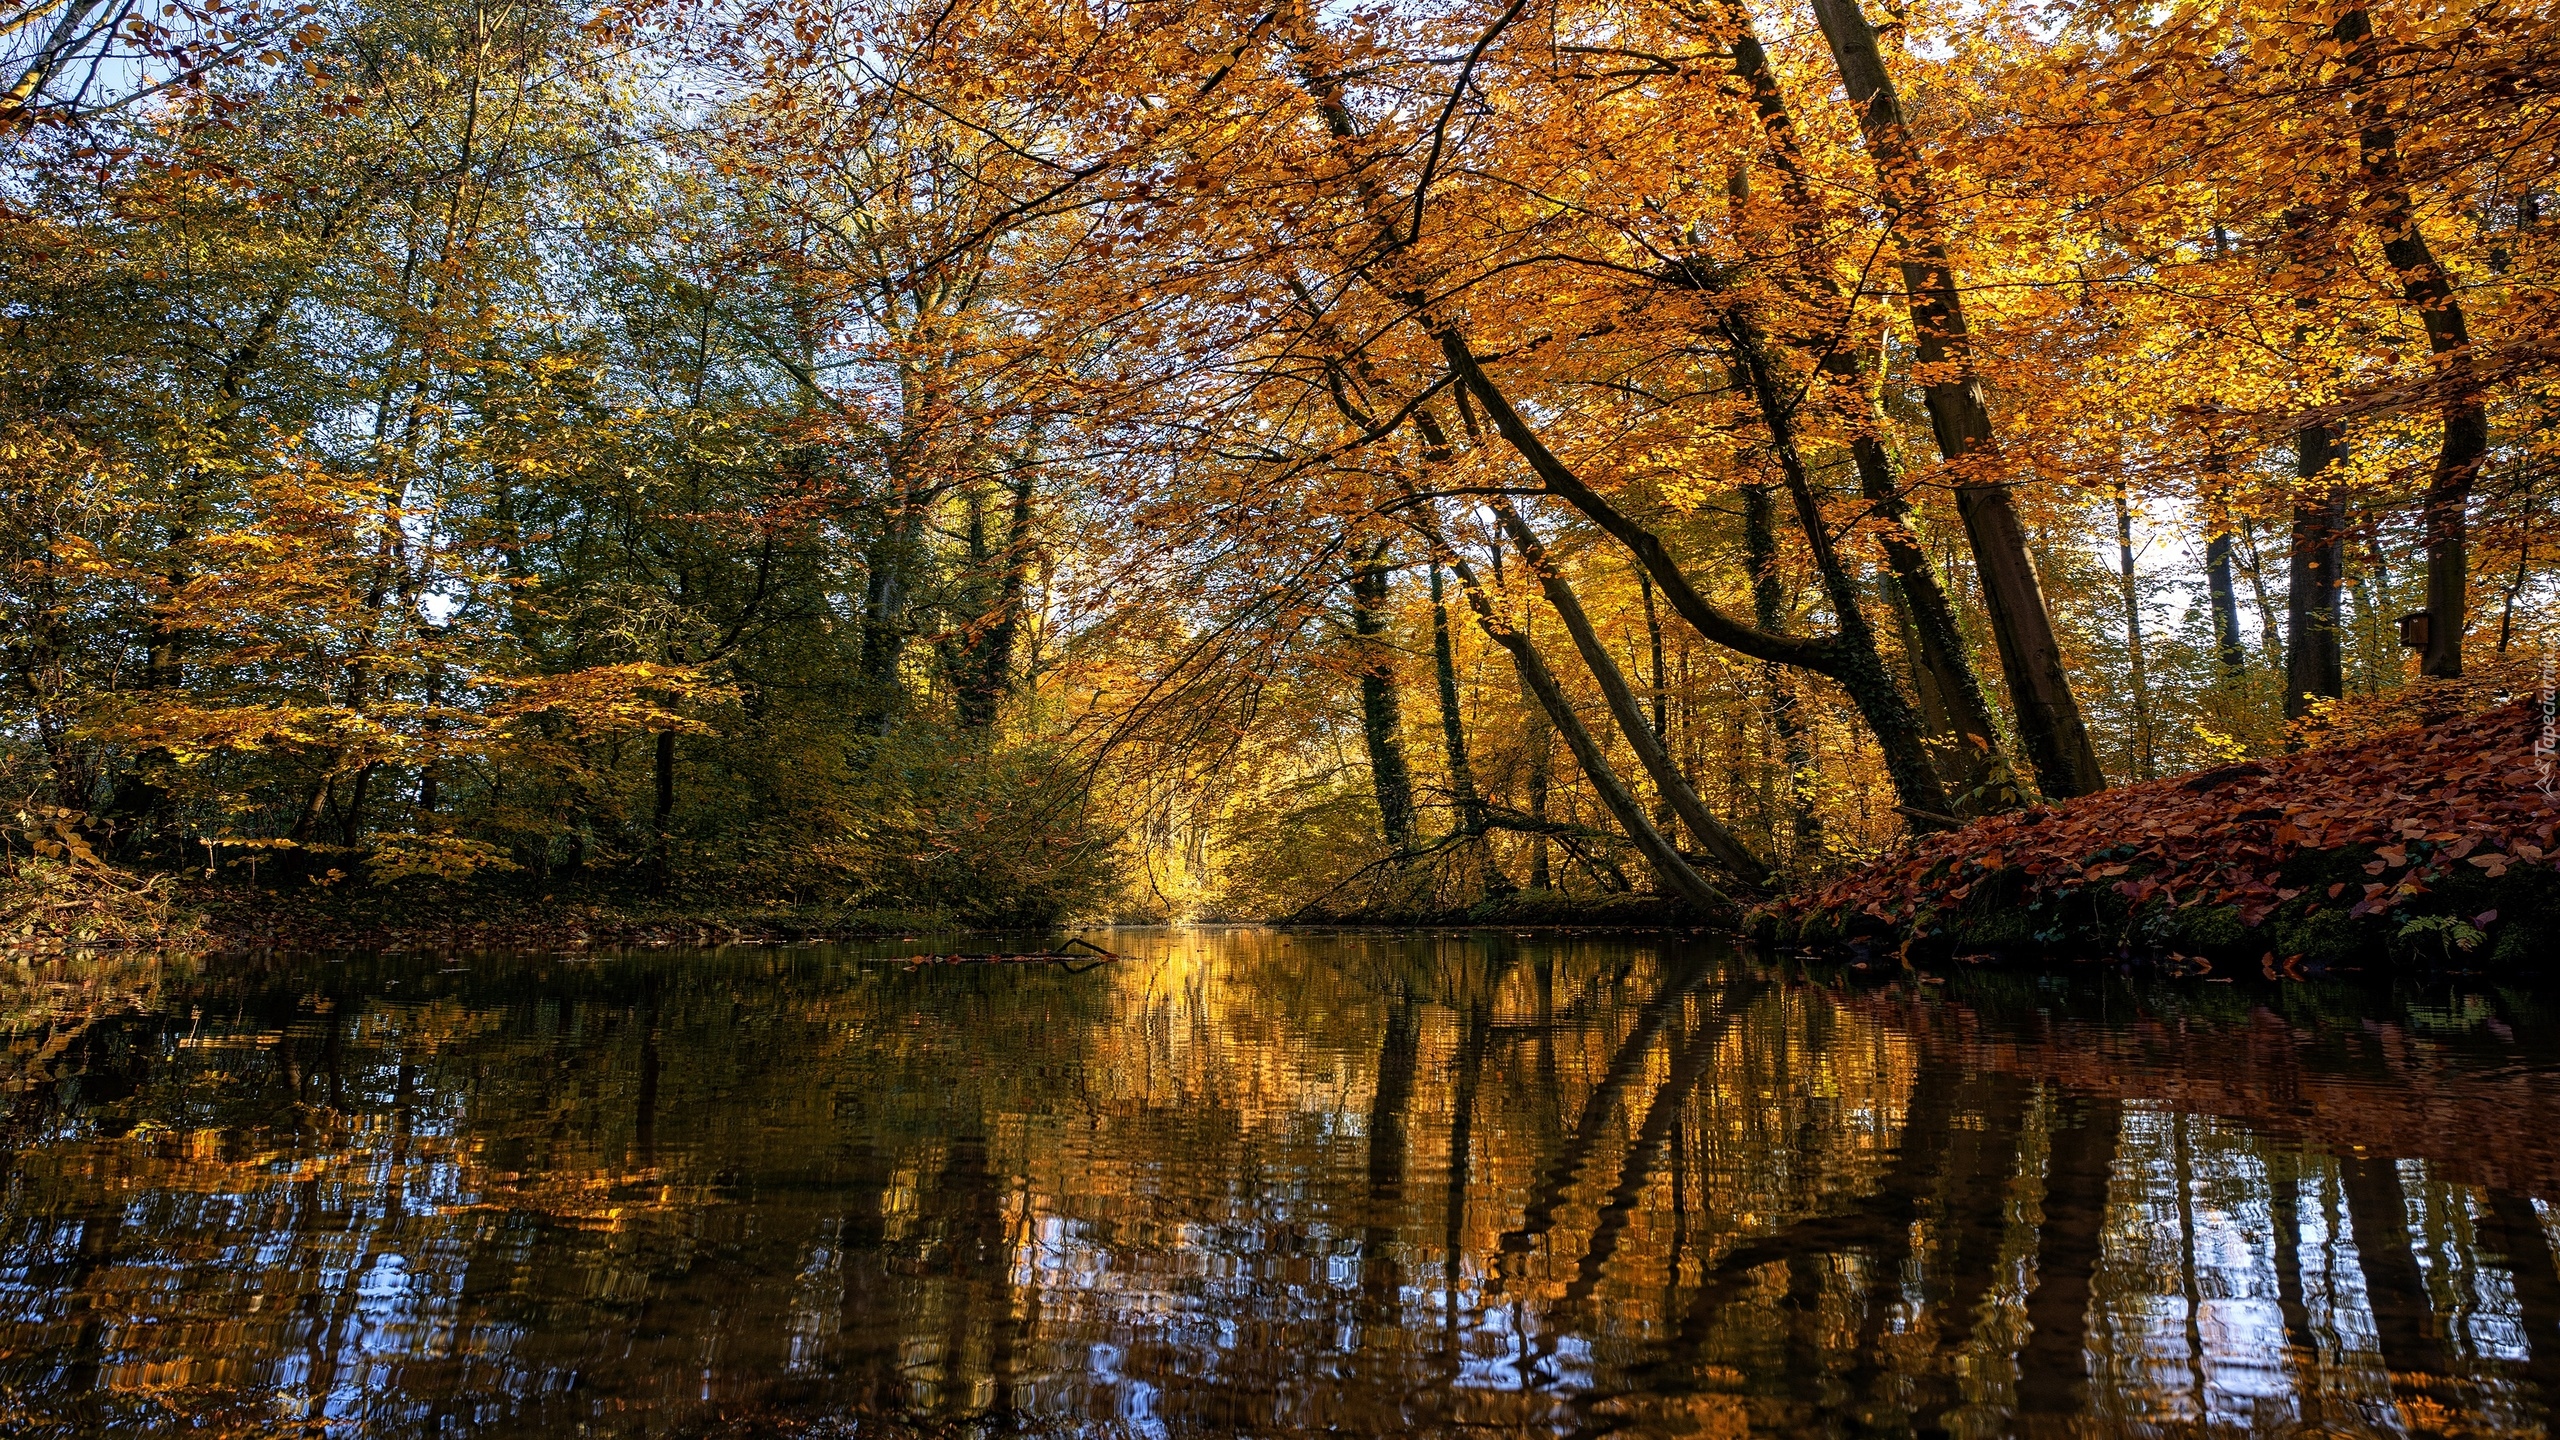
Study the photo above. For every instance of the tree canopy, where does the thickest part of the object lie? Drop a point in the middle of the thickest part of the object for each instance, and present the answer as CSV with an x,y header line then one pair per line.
x,y
1019,459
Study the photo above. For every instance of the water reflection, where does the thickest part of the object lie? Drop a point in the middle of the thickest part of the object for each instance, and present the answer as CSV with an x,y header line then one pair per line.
x,y
1256,1183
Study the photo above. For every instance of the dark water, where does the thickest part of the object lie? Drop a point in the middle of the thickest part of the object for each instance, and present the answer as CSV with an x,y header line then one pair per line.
x,y
1255,1184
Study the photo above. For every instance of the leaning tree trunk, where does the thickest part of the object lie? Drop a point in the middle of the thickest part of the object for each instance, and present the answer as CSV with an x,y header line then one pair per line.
x,y
1856,665
1862,677
2050,725
1676,874
1850,662
1952,692
1713,837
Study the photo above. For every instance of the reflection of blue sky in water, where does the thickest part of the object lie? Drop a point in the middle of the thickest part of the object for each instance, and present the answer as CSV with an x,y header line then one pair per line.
x,y
1216,1189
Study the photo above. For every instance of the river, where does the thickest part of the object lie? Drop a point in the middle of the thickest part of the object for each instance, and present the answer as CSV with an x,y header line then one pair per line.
x,y
1267,1183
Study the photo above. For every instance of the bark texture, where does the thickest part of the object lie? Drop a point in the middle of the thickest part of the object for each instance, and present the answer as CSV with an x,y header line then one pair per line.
x,y
2050,725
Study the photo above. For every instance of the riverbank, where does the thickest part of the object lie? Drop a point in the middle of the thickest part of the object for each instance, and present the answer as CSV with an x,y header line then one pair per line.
x,y
88,908
2425,844
79,910
1537,909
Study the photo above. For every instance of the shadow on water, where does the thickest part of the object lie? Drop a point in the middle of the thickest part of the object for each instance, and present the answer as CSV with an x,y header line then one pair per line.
x,y
1257,1183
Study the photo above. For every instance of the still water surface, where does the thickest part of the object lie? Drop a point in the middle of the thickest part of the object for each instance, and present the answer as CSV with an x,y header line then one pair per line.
x,y
1266,1184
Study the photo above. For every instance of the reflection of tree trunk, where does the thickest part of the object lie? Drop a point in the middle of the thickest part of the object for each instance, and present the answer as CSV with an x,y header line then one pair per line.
x,y
380,1232
869,1339
1690,1056
2183,1171
1564,1161
1970,1222
1381,1274
2284,1220
2053,1366
1878,1224
100,1235
2514,1230
2404,1322
981,1284
644,1127
1462,1119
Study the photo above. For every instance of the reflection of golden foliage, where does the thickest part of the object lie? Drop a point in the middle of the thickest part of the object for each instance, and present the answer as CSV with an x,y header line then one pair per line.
x,y
1706,1417
45,1005
602,1201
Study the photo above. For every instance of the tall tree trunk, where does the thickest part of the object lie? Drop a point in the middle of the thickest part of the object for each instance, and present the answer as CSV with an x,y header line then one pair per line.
x,y
1768,608
2270,633
662,816
2049,720
2226,603
2313,667
2463,442
888,584
2515,586
1950,691
979,663
1453,735
1539,739
1713,837
1381,724
2144,764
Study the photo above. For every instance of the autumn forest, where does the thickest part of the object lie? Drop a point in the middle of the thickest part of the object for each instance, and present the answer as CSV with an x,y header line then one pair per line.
x,y
1019,461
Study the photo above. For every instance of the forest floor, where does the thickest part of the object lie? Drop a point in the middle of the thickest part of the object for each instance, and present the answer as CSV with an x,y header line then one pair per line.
x,y
2429,843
